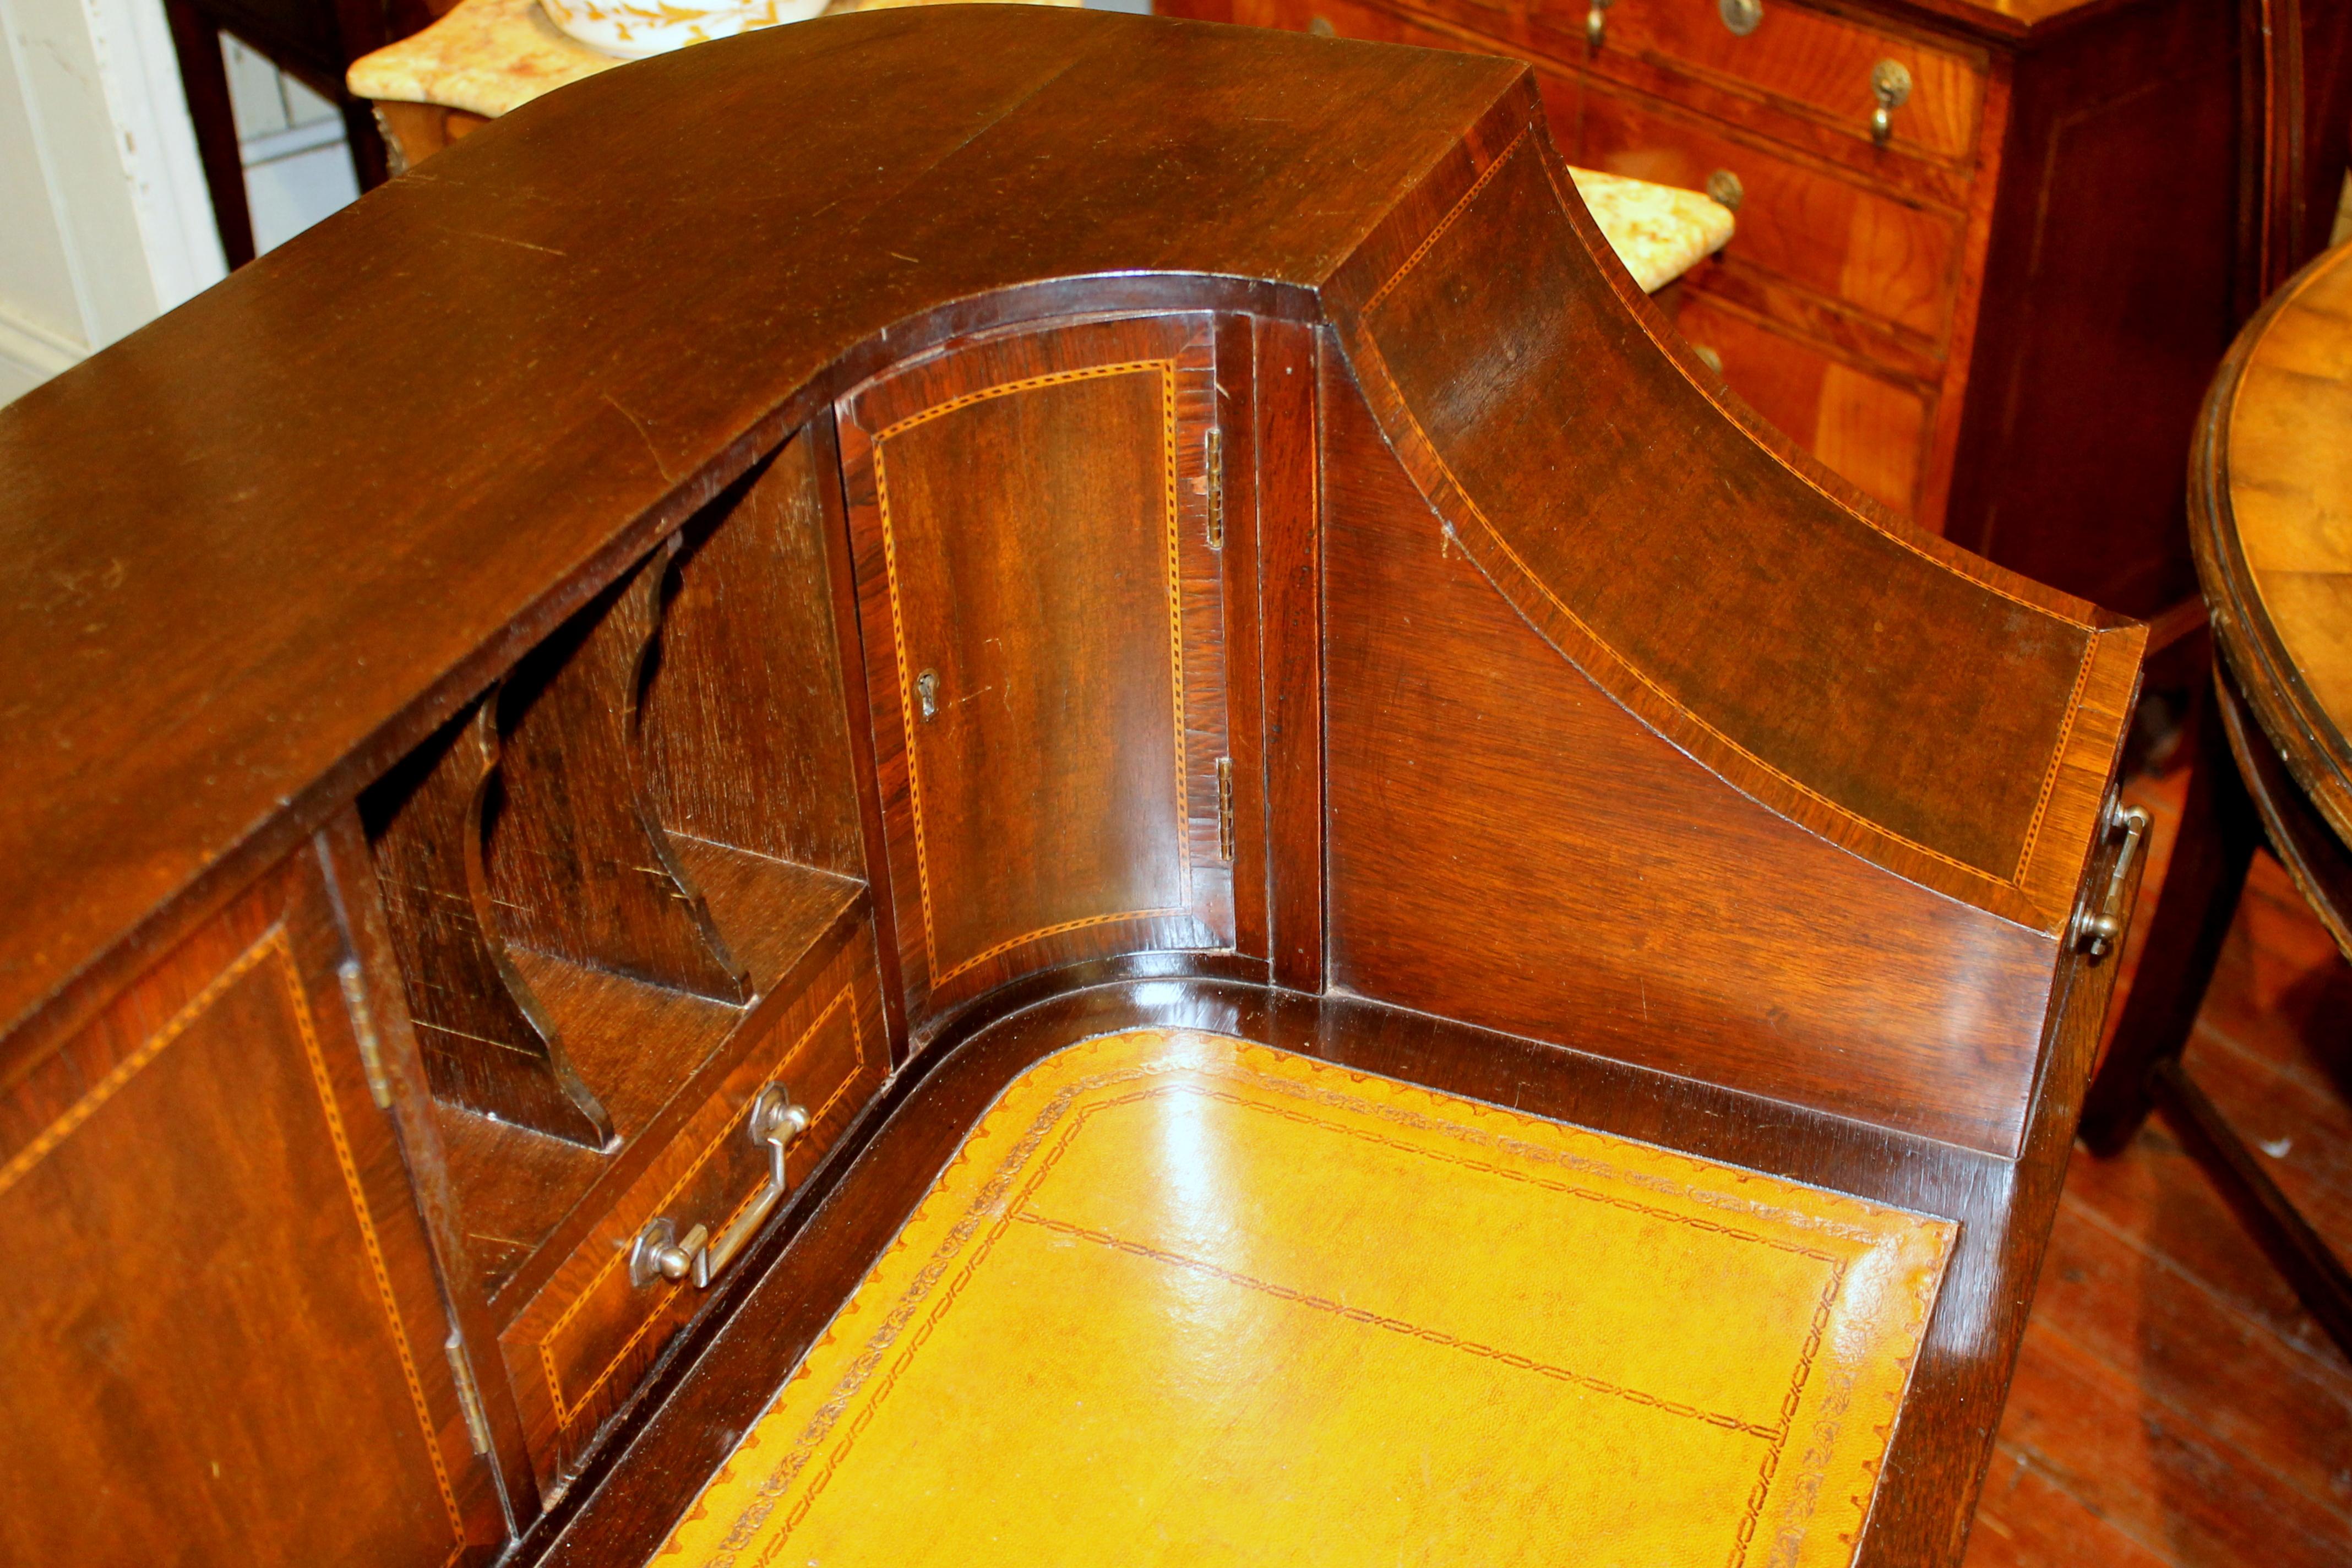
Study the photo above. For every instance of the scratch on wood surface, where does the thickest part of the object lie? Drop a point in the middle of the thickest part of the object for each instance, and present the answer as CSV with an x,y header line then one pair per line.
x,y
644,435
504,239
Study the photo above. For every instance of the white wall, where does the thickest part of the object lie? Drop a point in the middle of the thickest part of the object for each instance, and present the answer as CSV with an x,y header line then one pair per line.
x,y
104,221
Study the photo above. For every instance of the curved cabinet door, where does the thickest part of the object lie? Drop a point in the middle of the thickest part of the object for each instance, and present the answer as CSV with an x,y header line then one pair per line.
x,y
1036,540
224,1336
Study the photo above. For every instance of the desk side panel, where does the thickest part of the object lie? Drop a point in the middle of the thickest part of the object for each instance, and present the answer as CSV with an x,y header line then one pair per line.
x,y
1511,847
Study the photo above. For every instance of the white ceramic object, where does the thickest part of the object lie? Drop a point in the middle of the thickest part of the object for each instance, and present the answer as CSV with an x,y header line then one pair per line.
x,y
633,29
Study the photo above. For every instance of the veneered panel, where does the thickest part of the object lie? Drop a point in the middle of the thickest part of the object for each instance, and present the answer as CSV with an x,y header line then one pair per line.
x,y
1045,645
1047,776
1869,429
234,1350
1510,847
1801,649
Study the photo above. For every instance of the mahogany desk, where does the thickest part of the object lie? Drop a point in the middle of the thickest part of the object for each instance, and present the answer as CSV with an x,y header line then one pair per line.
x,y
574,730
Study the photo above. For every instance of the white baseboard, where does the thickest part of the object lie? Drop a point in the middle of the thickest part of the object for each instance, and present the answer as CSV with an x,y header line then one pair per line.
x,y
34,351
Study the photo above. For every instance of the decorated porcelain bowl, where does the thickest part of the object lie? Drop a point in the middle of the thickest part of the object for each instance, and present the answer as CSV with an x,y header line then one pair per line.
x,y
633,30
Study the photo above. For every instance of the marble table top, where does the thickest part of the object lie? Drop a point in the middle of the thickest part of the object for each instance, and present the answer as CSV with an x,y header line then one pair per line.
x,y
487,56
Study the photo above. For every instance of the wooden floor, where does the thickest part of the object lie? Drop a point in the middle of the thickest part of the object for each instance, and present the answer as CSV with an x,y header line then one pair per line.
x,y
2173,1405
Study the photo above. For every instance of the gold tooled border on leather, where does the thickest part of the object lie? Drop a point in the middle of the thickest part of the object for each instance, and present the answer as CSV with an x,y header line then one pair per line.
x,y
995,1206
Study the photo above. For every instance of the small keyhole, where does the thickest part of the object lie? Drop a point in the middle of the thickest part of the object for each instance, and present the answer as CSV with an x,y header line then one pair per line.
x,y
927,693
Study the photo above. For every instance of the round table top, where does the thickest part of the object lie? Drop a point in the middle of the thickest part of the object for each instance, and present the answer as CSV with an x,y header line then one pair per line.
x,y
2271,516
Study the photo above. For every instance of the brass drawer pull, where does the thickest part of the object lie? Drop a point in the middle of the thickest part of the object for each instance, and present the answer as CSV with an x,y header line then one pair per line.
x,y
2097,932
1890,83
775,1122
1724,188
1596,22
1742,17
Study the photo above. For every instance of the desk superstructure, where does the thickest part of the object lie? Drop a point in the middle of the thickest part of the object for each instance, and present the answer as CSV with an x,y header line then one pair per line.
x,y
575,727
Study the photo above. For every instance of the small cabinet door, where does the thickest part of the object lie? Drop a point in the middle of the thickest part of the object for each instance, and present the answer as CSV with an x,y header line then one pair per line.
x,y
223,1333
1036,525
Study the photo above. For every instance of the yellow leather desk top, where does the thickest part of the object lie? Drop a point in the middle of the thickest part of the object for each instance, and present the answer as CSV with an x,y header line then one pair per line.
x,y
1184,1300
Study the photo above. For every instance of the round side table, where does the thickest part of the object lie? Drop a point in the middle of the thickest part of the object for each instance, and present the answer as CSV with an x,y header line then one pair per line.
x,y
2270,515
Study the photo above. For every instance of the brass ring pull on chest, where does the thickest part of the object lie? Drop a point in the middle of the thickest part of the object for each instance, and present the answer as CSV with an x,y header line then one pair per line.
x,y
1890,84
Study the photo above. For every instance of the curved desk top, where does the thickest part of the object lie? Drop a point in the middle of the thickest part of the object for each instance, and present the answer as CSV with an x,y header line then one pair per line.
x,y
272,543
222,530
2271,512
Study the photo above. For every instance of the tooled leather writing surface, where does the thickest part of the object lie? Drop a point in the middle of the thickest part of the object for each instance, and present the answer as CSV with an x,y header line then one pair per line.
x,y
1181,1298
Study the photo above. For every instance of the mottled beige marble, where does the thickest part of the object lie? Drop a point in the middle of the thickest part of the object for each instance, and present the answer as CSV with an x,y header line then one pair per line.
x,y
1659,232
490,56
486,57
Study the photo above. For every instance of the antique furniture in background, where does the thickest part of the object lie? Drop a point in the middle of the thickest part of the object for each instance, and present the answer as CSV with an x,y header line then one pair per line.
x,y
1990,253
482,59
925,538
2267,499
489,58
310,40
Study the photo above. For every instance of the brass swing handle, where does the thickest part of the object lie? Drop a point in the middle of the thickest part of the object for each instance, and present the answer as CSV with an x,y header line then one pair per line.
x,y
1890,84
2097,932
659,1254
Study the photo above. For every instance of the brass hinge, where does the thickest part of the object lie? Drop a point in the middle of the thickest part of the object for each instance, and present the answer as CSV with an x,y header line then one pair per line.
x,y
1225,808
1216,455
469,1397
355,1003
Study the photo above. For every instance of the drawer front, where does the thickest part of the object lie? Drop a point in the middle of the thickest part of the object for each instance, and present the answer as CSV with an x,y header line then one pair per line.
x,y
1893,260
1873,430
1344,19
1815,65
581,1345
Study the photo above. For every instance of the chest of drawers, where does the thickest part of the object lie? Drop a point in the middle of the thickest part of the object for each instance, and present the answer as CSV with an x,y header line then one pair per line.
x,y
1987,253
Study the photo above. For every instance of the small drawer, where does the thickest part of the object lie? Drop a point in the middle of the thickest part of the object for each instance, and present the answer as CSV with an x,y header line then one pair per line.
x,y
580,1346
1873,430
1898,262
1345,19
1819,65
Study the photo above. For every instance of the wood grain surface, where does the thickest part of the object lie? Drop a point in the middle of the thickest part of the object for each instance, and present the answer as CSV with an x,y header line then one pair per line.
x,y
580,864
304,697
1812,711
236,1345
2268,499
488,1042
1045,633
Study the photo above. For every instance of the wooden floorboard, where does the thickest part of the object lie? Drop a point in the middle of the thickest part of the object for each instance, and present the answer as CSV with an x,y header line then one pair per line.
x,y
2173,1406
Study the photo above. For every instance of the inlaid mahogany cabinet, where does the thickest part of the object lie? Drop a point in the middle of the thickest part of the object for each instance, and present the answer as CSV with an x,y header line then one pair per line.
x,y
1989,251
572,729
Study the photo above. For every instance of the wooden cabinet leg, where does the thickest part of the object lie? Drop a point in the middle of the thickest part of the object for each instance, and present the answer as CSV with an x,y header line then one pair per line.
x,y
2218,834
205,77
371,159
